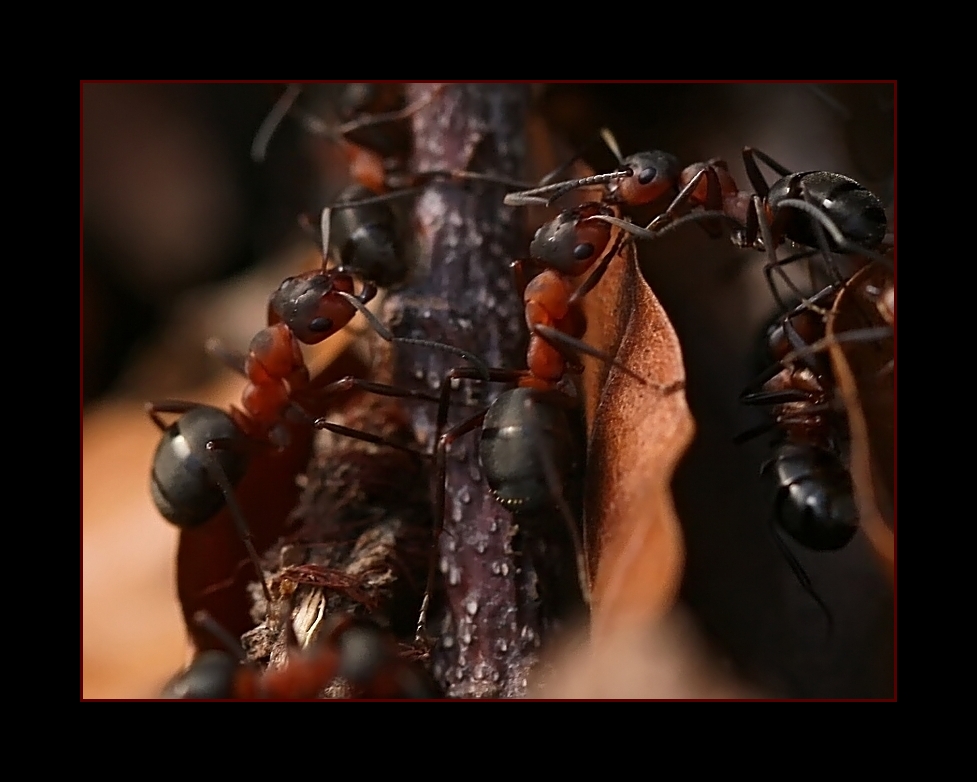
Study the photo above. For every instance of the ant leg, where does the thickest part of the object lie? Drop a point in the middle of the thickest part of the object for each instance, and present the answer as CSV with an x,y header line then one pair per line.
x,y
645,233
796,568
683,197
206,622
391,116
382,389
153,409
442,477
753,170
854,335
259,147
753,432
775,397
556,488
387,335
564,342
356,434
495,375
237,516
773,264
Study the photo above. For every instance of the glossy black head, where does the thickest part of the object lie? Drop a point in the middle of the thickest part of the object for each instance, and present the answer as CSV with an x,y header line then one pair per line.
x,y
516,428
367,240
856,211
655,173
182,489
569,243
211,675
309,306
815,503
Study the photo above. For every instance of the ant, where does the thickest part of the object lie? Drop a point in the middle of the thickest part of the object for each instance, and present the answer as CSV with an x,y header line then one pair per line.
x,y
361,107
353,649
205,453
761,221
814,503
529,439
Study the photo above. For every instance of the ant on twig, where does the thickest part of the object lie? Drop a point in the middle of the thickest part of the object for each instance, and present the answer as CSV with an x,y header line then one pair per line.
x,y
801,207
528,446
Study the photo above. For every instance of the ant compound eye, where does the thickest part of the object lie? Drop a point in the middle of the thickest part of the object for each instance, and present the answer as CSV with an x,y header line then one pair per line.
x,y
320,324
647,175
583,251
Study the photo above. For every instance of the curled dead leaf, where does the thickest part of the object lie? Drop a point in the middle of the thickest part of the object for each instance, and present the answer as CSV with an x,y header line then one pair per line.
x,y
865,378
638,433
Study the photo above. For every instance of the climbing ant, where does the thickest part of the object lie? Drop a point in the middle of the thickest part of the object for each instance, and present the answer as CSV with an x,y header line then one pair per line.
x,y
839,213
814,502
529,442
352,649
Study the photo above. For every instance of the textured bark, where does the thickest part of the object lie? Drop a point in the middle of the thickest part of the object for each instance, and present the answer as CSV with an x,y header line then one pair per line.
x,y
485,615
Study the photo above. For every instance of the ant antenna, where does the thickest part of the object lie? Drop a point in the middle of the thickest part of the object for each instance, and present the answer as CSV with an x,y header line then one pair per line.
x,y
854,335
259,147
611,142
801,575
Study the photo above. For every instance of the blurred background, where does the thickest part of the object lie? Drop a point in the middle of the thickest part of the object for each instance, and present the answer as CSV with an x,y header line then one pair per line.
x,y
185,237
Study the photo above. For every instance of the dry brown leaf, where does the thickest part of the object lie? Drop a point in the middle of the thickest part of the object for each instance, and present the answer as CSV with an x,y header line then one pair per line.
x,y
868,393
638,434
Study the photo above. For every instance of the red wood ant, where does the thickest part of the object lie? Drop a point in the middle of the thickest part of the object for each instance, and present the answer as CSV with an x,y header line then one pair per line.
x,y
817,209
205,453
352,649
528,446
814,503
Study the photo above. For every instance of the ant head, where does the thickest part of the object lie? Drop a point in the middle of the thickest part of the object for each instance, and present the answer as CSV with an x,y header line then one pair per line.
x,y
570,243
309,306
655,173
211,675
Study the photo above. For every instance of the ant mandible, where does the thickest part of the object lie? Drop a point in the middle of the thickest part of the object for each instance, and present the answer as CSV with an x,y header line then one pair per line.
x,y
352,649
